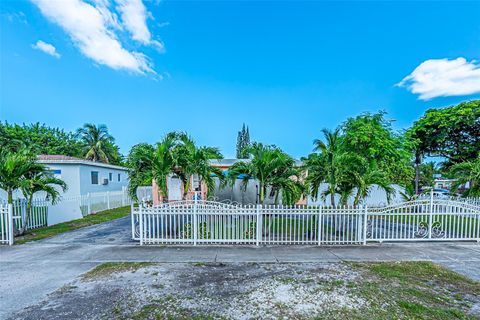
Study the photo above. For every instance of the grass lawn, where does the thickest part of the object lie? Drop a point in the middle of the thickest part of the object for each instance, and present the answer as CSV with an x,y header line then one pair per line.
x,y
89,220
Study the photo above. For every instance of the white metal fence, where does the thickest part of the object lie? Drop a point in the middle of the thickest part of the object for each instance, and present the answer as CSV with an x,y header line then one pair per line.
x,y
207,222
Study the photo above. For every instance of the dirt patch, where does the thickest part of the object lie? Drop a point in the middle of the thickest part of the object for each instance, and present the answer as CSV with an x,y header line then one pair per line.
x,y
262,291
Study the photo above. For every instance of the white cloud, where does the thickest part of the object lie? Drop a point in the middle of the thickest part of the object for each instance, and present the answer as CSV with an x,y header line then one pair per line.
x,y
47,48
442,78
90,27
134,18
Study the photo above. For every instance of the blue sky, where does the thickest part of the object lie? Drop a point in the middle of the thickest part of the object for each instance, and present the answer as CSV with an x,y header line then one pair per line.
x,y
286,69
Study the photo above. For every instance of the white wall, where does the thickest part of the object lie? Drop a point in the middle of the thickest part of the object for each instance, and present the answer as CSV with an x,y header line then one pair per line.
x,y
86,185
377,197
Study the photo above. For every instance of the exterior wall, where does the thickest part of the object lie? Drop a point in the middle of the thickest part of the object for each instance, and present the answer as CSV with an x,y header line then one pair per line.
x,y
86,185
376,198
70,173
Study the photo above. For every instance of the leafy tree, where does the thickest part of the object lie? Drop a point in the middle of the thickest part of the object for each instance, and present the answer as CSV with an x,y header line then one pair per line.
x,y
40,178
371,137
97,143
139,162
243,142
194,160
14,169
331,165
40,138
270,166
467,172
177,154
452,133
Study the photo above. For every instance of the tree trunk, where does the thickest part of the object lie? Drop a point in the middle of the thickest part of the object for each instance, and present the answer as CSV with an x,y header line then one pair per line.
x,y
24,227
418,161
332,198
262,193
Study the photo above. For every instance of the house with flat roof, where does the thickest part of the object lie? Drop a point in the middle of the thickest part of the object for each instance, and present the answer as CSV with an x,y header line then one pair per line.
x,y
84,176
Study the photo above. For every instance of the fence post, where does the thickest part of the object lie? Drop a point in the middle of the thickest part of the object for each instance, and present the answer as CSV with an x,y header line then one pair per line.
x,y
10,224
259,225
108,200
195,227
365,219
89,204
320,226
132,217
430,216
140,222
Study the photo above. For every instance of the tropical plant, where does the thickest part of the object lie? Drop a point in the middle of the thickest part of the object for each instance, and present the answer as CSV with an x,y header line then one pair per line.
x,y
178,155
96,142
271,167
331,165
39,179
467,172
139,163
14,168
365,177
192,160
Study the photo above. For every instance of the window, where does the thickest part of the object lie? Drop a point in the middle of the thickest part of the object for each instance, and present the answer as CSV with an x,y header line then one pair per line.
x,y
110,176
119,177
94,175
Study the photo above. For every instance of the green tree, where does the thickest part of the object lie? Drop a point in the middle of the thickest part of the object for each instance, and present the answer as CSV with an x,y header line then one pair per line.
x,y
371,137
139,162
331,165
467,172
97,143
270,167
39,179
452,133
177,154
193,160
40,138
14,169
243,143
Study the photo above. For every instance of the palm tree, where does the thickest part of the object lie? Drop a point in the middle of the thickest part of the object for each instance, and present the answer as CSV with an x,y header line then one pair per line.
x,y
365,177
40,179
163,162
271,167
14,168
192,160
139,163
332,165
467,172
97,142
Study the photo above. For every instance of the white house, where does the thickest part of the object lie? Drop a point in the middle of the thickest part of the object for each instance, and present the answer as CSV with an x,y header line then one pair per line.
x,y
84,176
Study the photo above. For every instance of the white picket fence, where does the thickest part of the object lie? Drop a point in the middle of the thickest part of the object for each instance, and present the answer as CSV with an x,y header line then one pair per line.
x,y
6,224
208,222
42,210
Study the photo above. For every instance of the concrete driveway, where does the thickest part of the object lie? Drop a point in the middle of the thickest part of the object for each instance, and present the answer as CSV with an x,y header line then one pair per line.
x,y
29,272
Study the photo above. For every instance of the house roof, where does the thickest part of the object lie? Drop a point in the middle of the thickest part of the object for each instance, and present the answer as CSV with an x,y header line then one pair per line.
x,y
61,159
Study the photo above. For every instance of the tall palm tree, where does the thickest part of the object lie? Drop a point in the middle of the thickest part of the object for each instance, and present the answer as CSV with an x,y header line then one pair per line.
x,y
467,172
97,142
14,168
192,160
40,179
332,165
271,167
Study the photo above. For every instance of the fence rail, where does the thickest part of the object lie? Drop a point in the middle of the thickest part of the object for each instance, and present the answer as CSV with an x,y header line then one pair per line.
x,y
207,222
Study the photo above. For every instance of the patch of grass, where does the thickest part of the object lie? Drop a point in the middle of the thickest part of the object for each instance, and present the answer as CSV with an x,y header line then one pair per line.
x,y
108,268
412,290
47,232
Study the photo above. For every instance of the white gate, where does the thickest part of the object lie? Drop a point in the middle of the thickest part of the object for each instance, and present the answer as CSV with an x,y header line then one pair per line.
x,y
6,224
208,222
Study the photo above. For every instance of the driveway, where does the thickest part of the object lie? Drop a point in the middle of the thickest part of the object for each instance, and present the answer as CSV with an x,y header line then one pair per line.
x,y
29,272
